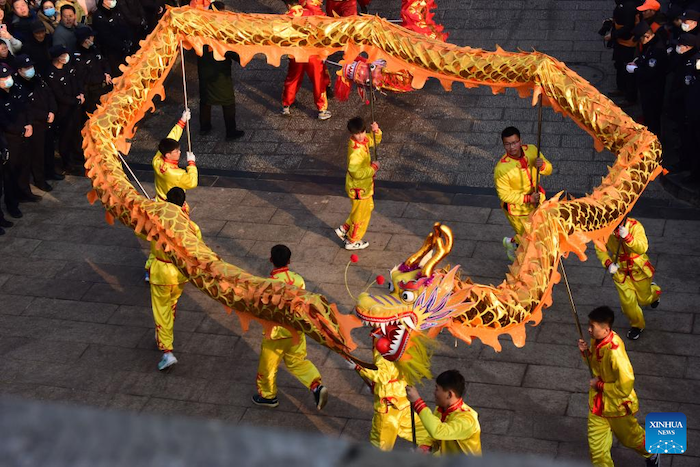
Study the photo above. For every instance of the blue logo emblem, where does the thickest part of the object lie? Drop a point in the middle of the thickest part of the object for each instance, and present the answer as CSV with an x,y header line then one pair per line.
x,y
666,433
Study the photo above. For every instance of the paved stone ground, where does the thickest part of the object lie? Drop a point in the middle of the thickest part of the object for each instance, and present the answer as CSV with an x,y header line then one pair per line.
x,y
76,326
433,136
75,321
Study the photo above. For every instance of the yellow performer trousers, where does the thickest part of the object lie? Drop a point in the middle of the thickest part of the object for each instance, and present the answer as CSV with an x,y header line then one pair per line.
x,y
358,221
633,296
389,422
272,352
164,300
600,436
517,222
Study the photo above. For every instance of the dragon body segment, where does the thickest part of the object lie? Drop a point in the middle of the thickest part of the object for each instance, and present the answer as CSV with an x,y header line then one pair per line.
x,y
555,229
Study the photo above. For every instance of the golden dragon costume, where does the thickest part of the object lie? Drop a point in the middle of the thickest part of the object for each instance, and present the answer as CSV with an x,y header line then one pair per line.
x,y
557,227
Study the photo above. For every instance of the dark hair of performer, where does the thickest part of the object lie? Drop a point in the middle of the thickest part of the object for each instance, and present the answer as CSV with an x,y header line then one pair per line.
x,y
169,148
449,385
356,125
600,322
176,195
510,131
280,255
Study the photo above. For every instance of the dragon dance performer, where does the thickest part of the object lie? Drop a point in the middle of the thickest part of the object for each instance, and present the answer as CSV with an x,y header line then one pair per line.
x,y
167,284
359,183
345,7
280,346
454,426
515,179
315,68
632,272
167,172
611,397
392,411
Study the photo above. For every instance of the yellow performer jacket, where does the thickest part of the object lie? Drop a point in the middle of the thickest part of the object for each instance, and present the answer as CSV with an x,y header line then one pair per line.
x,y
291,278
162,270
387,386
516,178
359,181
167,173
631,251
455,430
614,396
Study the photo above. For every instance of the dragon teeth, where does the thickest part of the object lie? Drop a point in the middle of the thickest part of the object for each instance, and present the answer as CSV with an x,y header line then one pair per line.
x,y
409,322
383,325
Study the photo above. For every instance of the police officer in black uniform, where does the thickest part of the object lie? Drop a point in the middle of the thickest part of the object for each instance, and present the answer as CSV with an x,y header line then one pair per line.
x,y
91,68
40,100
15,122
625,18
69,97
649,69
115,36
690,54
4,158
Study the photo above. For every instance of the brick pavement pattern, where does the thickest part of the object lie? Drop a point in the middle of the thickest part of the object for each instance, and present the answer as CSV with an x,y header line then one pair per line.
x,y
76,324
75,317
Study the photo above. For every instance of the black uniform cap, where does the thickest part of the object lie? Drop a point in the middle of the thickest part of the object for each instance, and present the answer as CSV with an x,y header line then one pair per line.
x,y
688,39
691,15
5,71
24,61
83,33
58,50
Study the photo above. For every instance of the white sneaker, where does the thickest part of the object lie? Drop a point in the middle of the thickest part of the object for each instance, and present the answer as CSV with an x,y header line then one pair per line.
x,y
510,247
341,232
359,245
286,112
324,115
168,360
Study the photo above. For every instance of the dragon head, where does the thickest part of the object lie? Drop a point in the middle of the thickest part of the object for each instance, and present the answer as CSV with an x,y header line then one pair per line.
x,y
420,301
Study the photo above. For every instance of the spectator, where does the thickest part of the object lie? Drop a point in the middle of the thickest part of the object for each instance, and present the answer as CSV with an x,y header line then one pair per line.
x,y
65,31
40,100
92,69
687,50
135,17
48,15
37,47
216,88
624,48
651,14
4,157
6,58
15,122
153,10
81,16
689,21
20,25
6,7
114,33
69,97
13,43
649,69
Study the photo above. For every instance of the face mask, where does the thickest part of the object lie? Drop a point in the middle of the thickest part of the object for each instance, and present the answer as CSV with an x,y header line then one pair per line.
x,y
50,12
685,27
29,73
112,3
66,59
88,44
8,83
679,50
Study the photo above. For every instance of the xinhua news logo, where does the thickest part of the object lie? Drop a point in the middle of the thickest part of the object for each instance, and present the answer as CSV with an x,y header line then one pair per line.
x,y
666,433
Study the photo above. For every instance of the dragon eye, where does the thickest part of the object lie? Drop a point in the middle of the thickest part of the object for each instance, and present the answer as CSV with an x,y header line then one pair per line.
x,y
408,296
390,286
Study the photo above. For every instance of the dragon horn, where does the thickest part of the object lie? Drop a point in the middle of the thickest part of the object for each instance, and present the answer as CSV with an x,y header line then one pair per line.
x,y
442,245
416,257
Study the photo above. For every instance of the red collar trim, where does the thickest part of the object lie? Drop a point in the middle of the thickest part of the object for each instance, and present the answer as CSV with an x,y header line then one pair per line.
x,y
453,408
170,161
603,343
279,270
